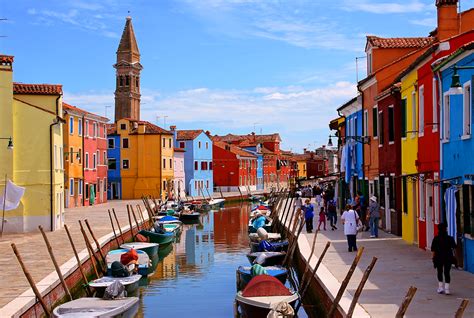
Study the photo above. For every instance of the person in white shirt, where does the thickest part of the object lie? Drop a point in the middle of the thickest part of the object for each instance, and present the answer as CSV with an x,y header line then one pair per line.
x,y
350,219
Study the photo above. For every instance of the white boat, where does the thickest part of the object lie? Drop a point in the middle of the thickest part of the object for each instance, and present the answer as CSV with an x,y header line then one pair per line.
x,y
130,283
271,237
97,307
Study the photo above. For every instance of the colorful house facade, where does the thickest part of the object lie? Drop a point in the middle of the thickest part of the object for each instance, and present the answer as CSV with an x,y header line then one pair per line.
x,y
32,118
197,161
114,187
179,181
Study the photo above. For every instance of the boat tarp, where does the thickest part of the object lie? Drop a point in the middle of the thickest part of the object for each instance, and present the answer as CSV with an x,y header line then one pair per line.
x,y
265,285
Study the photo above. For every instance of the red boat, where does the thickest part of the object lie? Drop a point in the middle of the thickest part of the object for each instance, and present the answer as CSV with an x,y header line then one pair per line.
x,y
262,294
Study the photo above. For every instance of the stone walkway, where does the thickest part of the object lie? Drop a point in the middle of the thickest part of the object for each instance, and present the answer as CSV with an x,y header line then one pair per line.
x,y
35,255
398,267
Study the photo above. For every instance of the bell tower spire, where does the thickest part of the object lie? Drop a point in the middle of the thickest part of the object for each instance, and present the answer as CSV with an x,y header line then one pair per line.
x,y
128,67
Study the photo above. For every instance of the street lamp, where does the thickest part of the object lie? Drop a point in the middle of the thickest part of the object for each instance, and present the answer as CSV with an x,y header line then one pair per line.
x,y
10,143
456,87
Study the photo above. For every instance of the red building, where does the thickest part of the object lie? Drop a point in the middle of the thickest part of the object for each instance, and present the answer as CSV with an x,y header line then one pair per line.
x,y
95,159
233,167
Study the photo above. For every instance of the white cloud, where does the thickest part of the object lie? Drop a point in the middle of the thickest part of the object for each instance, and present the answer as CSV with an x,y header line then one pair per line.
x,y
384,7
428,22
300,115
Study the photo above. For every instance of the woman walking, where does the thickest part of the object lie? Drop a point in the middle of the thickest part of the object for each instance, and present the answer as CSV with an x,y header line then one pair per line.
x,y
332,214
374,217
350,219
443,257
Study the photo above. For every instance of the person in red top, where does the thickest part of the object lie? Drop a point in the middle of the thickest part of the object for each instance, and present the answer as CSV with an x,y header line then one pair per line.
x,y
322,218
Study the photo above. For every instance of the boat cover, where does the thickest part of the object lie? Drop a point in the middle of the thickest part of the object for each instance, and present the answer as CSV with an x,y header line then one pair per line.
x,y
265,285
168,218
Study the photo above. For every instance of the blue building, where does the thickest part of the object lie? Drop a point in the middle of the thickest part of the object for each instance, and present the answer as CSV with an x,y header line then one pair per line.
x,y
114,180
457,151
352,149
197,161
255,150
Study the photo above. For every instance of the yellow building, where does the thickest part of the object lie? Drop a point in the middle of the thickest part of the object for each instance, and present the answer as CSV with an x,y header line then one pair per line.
x,y
146,153
32,116
409,156
301,161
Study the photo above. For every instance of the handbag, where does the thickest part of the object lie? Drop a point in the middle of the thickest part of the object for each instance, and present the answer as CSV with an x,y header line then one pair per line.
x,y
359,223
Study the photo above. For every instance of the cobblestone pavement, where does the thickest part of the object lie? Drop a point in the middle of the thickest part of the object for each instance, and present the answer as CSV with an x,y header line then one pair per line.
x,y
35,255
398,267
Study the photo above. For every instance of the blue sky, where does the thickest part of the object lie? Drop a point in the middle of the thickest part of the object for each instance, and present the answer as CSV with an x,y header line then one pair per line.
x,y
220,65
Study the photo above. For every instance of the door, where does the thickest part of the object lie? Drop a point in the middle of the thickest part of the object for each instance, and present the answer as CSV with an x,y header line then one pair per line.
x,y
76,193
429,215
101,189
414,209
388,220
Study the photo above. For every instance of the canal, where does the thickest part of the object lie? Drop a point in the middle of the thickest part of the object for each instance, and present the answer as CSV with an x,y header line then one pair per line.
x,y
196,276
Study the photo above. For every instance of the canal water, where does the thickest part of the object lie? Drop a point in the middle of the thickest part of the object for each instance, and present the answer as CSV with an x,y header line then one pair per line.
x,y
195,277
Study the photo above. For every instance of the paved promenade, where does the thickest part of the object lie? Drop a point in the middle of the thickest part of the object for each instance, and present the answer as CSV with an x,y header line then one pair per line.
x,y
35,255
398,267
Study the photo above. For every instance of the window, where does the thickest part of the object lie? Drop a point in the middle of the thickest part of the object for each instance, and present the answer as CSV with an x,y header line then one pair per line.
x,y
111,143
210,165
366,123
199,145
207,145
207,184
70,155
413,114
374,121
125,143
71,187
127,80
171,163
79,156
435,107
466,109
79,190
369,63
98,157
94,161
87,161
164,142
182,144
94,129
404,117
87,190
164,185
164,163
380,133
105,130
169,142
125,164
203,165
79,126
391,124
195,165
104,158
446,125
61,158
240,180
421,110
71,125
123,126
436,199
421,197
112,163
87,128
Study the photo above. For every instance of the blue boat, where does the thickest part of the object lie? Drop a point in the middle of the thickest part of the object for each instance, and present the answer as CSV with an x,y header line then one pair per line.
x,y
143,260
244,275
280,246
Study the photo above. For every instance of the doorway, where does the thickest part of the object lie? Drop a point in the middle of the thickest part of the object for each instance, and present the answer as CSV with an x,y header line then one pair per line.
x,y
414,209
429,215
114,188
388,220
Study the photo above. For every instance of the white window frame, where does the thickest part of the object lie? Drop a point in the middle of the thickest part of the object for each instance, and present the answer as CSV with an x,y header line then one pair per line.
x,y
94,130
436,198
71,187
421,110
366,123
105,157
379,133
55,157
79,190
94,161
207,145
71,125
446,117
391,142
199,144
123,160
61,158
86,161
435,124
79,126
377,112
466,110
413,114
87,129
98,157
369,62
105,131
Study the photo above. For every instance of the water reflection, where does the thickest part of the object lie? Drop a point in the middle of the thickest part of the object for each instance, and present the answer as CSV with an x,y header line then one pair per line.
x,y
196,275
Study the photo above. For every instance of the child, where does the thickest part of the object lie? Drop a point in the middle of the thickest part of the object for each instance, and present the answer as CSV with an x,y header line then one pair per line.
x,y
322,218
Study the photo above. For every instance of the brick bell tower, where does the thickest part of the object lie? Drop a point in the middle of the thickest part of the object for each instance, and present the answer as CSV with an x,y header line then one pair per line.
x,y
128,67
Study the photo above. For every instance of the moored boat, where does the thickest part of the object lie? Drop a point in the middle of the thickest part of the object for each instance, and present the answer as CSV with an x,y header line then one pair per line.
x,y
244,274
97,307
267,226
263,294
266,258
278,246
150,248
160,238
189,217
271,237
115,255
130,283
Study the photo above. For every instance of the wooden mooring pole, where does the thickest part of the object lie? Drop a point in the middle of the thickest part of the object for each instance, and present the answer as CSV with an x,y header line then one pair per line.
x,y
462,308
359,289
79,264
113,229
345,282
406,302
102,256
307,266
118,225
90,250
135,218
130,220
140,214
55,263
31,281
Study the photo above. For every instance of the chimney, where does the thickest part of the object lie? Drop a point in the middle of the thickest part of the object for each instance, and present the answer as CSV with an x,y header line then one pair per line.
x,y
175,136
172,128
448,19
304,150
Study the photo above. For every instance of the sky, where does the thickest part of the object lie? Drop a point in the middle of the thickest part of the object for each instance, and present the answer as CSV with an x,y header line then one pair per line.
x,y
226,66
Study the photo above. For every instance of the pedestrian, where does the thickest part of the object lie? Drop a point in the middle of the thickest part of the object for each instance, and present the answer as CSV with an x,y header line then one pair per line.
x,y
332,214
442,247
322,218
350,219
374,217
308,215
298,201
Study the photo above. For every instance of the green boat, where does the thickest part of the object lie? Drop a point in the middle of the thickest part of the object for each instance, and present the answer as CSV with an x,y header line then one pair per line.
x,y
162,239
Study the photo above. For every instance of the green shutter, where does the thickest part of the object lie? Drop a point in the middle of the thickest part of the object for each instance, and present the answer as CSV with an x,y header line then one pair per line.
x,y
404,117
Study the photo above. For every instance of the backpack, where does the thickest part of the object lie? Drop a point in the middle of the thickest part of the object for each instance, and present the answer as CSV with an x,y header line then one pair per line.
x,y
119,270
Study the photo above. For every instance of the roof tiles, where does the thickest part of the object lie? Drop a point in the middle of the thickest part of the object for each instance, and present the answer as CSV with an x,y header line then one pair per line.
x,y
398,43
37,89
83,112
188,134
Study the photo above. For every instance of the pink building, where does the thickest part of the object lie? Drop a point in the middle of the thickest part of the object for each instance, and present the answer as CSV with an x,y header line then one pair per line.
x,y
95,159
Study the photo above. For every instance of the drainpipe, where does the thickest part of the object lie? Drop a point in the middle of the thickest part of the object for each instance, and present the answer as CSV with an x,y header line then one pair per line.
x,y
56,121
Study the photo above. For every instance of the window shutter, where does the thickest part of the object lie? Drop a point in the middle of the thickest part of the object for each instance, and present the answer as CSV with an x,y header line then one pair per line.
x,y
404,118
